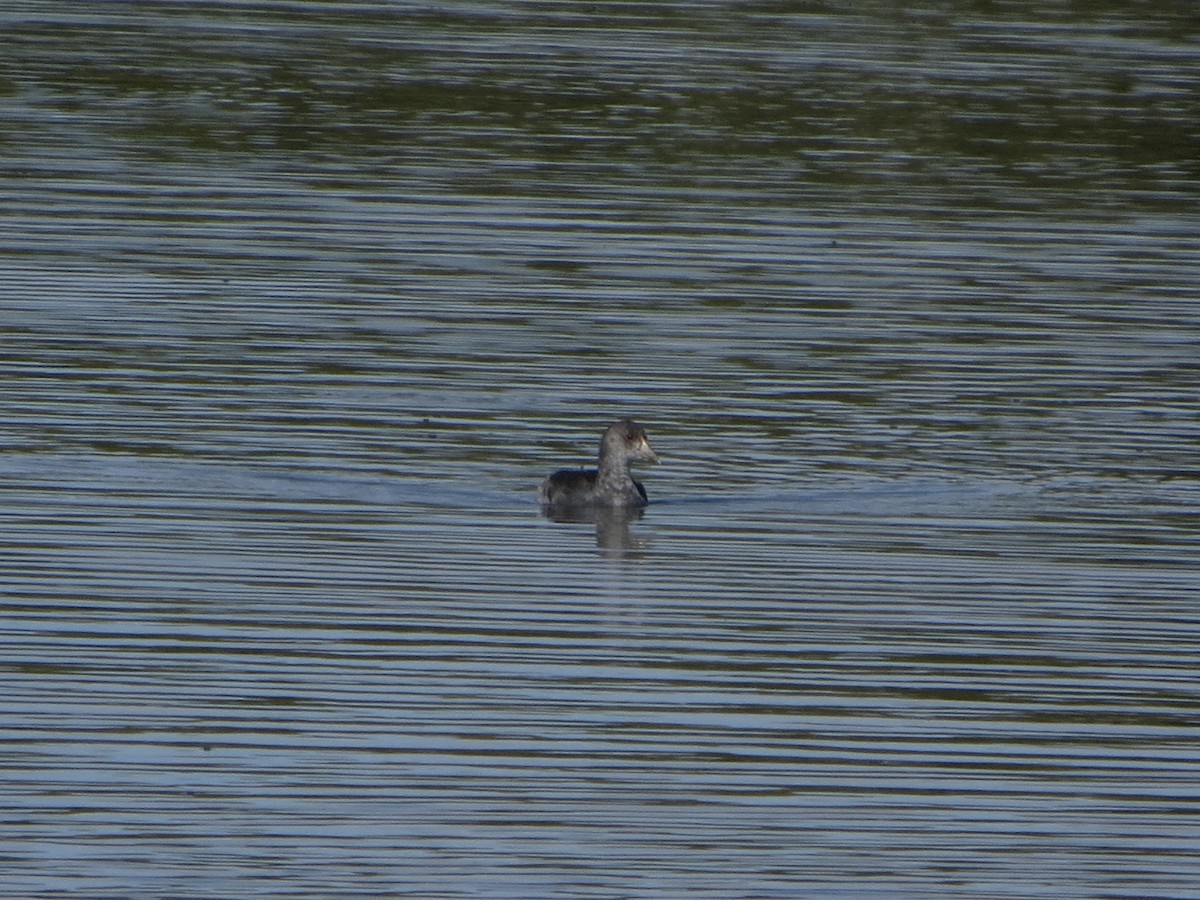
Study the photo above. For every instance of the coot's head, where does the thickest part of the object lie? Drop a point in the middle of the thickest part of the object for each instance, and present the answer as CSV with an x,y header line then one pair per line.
x,y
626,440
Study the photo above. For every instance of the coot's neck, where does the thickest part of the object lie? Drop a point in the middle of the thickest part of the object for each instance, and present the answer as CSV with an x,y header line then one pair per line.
x,y
612,477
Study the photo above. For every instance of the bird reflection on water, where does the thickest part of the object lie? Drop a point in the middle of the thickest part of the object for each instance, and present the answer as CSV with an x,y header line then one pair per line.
x,y
613,535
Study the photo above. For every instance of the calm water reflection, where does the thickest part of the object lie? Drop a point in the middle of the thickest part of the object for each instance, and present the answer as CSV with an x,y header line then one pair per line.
x,y
299,304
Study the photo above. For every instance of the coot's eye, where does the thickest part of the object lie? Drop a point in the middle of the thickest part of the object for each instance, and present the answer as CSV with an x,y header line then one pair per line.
x,y
630,434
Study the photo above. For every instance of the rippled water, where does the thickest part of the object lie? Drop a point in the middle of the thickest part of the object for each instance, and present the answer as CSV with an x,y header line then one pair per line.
x,y
299,302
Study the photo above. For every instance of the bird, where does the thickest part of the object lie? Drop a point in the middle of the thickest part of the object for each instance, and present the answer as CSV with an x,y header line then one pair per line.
x,y
609,485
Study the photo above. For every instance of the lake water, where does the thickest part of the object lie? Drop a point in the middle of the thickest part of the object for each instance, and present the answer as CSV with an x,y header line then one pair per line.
x,y
300,301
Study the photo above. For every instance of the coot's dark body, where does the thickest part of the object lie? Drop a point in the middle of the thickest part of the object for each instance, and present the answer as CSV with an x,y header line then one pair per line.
x,y
623,444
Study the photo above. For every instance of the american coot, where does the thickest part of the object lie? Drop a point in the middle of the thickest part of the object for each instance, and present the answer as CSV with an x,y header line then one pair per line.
x,y
623,444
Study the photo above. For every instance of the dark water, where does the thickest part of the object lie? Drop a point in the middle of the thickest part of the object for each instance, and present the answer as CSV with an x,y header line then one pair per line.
x,y
299,302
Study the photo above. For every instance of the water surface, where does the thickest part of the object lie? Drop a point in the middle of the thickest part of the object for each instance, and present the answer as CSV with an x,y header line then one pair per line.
x,y
299,302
